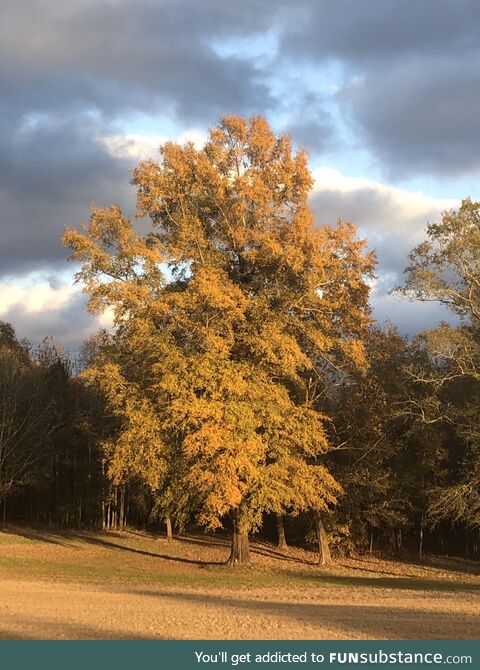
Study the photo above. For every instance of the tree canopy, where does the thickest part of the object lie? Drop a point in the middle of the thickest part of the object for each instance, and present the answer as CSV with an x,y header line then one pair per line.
x,y
446,268
230,313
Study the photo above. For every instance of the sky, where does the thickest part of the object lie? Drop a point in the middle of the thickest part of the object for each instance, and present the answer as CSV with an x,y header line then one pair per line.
x,y
383,94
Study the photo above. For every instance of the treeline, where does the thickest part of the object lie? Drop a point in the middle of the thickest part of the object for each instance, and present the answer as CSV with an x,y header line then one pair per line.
x,y
245,385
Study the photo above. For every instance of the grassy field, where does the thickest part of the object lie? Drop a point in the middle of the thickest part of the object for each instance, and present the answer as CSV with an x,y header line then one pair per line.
x,y
135,585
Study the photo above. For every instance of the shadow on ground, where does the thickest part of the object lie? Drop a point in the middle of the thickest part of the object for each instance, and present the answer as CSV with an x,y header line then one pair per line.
x,y
363,620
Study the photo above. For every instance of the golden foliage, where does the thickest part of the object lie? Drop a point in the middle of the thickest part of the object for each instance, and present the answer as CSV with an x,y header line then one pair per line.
x,y
213,372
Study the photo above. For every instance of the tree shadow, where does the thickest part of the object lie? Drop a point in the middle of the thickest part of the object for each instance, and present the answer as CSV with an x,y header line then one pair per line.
x,y
62,538
408,583
377,621
55,630
204,540
120,547
433,564
260,548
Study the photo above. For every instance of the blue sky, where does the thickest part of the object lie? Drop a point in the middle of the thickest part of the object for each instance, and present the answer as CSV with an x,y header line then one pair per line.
x,y
385,96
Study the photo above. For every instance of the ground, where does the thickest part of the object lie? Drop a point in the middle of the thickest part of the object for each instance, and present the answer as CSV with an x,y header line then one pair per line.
x,y
134,585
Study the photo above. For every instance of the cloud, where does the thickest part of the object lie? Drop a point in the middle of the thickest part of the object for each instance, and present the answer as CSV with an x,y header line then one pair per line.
x,y
399,84
36,299
391,218
404,79
129,55
409,317
408,76
362,33
52,169
138,146
420,115
38,308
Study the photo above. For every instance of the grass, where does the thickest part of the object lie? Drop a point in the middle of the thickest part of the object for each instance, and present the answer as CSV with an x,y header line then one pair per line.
x,y
136,559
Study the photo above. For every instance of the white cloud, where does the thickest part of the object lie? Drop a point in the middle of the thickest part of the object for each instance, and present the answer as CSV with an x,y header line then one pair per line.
x,y
138,146
405,207
37,307
393,220
42,297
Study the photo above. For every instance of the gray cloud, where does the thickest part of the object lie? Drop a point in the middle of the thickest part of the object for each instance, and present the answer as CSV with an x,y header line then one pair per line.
x,y
421,116
313,133
51,172
69,70
410,80
409,317
411,83
128,55
406,85
392,232
379,30
393,221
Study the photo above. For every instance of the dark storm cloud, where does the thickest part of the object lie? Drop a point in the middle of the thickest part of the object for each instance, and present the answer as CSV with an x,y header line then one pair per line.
x,y
69,70
411,76
51,170
421,117
128,55
379,30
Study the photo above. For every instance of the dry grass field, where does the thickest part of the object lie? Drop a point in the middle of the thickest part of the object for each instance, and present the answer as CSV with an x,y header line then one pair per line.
x,y
133,585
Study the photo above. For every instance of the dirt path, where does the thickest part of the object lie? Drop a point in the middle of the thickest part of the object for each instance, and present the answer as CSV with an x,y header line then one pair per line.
x,y
40,610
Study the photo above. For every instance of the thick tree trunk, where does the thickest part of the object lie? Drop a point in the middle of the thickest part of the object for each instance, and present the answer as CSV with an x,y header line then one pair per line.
x,y
168,523
240,554
324,556
281,540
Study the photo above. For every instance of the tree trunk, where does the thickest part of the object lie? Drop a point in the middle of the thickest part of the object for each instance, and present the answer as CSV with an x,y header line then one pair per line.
x,y
122,507
240,554
115,518
420,539
371,541
168,523
281,540
324,556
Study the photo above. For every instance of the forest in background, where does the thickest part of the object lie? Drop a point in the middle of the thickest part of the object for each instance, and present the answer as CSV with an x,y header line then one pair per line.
x,y
245,385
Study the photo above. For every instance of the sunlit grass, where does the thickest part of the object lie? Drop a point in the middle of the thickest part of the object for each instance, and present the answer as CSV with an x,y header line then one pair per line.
x,y
136,559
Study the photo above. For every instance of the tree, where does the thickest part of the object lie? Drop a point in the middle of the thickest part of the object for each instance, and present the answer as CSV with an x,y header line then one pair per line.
x,y
225,357
446,269
26,423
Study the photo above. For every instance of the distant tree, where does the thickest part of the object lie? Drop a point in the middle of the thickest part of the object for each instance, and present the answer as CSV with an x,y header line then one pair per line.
x,y
26,423
221,363
446,269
